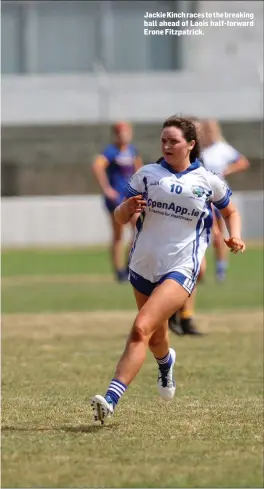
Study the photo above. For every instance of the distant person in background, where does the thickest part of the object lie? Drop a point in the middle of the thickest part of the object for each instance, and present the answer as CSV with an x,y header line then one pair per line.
x,y
221,158
113,168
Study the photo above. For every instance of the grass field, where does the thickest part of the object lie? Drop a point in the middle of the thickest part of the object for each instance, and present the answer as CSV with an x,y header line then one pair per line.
x,y
64,325
56,281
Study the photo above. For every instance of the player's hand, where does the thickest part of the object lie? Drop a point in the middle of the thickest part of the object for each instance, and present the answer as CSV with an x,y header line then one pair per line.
x,y
235,245
135,204
112,194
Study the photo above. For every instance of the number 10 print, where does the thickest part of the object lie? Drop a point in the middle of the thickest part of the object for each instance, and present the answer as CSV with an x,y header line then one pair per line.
x,y
176,188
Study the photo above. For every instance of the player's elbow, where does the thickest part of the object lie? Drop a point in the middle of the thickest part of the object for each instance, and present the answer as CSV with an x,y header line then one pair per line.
x,y
229,214
244,163
94,166
229,211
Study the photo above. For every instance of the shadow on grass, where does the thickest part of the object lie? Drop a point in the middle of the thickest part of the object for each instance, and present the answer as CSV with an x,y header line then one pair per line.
x,y
70,429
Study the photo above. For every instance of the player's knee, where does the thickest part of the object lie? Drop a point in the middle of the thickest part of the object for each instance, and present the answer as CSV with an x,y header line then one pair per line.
x,y
140,331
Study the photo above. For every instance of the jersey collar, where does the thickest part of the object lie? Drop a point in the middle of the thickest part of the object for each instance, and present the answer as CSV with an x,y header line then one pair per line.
x,y
192,167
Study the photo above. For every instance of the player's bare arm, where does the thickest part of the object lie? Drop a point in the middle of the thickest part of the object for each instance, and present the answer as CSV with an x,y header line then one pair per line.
x,y
233,224
99,167
134,205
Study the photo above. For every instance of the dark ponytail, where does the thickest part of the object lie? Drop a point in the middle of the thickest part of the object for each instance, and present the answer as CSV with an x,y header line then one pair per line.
x,y
195,152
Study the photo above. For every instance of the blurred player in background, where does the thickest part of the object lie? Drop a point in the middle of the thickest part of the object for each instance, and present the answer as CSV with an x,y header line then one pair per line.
x,y
113,168
221,158
174,199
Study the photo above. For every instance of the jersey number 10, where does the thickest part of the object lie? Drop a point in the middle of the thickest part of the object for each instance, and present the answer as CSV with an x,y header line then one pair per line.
x,y
176,188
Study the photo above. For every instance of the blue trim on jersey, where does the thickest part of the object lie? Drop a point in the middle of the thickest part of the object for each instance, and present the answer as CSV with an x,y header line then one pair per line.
x,y
208,222
197,242
139,226
145,193
193,257
236,158
196,164
194,253
206,226
140,221
130,191
222,203
209,219
146,287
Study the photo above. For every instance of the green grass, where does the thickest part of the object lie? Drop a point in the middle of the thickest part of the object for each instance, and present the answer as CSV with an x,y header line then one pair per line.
x,y
96,261
55,262
79,290
53,360
210,435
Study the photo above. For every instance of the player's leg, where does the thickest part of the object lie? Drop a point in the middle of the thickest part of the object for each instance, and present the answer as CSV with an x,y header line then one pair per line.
x,y
149,328
152,316
220,249
159,341
158,345
182,322
187,315
117,249
104,406
187,312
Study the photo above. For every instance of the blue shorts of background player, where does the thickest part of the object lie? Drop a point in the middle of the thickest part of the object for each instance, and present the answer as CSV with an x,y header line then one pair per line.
x,y
112,204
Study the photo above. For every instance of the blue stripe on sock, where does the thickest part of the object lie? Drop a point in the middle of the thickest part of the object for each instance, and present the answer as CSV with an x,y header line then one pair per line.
x,y
161,360
165,362
119,382
115,391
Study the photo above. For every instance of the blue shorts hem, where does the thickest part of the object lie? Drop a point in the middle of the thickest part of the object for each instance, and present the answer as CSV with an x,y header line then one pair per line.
x,y
146,287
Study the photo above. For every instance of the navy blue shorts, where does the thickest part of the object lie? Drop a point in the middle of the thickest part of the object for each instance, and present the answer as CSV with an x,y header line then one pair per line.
x,y
146,287
111,205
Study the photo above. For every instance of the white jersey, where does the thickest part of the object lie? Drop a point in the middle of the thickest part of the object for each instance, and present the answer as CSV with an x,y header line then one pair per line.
x,y
218,156
174,229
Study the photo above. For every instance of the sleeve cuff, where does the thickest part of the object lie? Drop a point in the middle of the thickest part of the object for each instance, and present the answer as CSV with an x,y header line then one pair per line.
x,y
221,204
238,156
